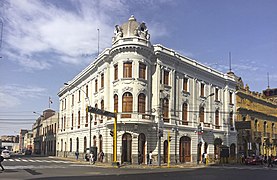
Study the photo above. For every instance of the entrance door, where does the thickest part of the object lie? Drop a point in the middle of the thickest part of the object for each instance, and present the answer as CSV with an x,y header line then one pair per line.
x,y
217,143
165,151
141,146
185,149
126,148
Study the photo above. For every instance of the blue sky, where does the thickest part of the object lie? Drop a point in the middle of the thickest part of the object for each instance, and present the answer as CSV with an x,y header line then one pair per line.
x,y
46,43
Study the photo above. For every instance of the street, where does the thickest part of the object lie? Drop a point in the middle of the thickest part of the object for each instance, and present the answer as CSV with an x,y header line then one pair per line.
x,y
55,168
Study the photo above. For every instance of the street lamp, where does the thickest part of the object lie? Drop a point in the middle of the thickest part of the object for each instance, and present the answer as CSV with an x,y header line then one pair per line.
x,y
200,129
87,99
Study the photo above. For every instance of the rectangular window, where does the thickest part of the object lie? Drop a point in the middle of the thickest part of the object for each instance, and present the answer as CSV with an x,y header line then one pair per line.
x,y
96,85
216,94
86,125
72,120
64,124
64,103
115,72
166,77
72,100
142,71
231,97
79,96
202,90
185,85
102,80
86,90
127,70
79,119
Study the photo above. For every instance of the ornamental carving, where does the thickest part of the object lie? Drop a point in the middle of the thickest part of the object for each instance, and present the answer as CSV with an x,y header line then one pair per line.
x,y
115,91
129,89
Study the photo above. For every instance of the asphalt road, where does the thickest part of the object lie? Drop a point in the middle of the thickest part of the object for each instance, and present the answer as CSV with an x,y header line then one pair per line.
x,y
54,168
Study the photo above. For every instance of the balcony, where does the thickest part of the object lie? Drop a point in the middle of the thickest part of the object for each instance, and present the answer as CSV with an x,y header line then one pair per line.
x,y
135,117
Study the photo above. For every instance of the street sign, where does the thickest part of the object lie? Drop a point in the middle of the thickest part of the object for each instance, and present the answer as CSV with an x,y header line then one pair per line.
x,y
100,112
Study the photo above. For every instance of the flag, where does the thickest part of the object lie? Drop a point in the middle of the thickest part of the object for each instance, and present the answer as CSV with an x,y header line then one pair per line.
x,y
50,100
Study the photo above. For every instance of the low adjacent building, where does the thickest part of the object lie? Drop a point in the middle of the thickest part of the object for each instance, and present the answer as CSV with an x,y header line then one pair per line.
x,y
256,123
45,130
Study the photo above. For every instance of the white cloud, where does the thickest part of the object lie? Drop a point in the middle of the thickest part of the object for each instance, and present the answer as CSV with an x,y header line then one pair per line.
x,y
34,27
62,31
8,101
13,94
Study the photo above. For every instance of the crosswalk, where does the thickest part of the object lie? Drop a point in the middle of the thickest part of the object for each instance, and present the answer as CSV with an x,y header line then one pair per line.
x,y
36,160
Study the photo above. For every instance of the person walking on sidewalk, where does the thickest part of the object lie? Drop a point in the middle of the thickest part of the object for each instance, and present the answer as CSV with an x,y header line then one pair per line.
x,y
91,158
150,158
1,160
77,155
269,161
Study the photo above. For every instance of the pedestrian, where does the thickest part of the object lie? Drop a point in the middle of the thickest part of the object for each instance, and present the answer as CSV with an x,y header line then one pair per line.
x,y
86,157
139,158
150,158
242,158
91,158
77,155
147,157
101,156
1,160
205,158
269,161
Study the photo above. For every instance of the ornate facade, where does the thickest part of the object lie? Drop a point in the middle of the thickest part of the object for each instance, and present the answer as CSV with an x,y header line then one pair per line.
x,y
257,120
155,91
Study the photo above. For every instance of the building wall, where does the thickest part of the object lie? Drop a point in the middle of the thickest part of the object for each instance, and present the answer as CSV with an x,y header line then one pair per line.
x,y
158,59
261,138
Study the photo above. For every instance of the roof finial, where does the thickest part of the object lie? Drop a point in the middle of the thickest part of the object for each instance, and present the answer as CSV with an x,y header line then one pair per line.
x,y
132,18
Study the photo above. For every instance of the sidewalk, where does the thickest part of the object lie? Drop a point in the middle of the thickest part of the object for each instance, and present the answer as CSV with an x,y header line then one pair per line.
x,y
137,166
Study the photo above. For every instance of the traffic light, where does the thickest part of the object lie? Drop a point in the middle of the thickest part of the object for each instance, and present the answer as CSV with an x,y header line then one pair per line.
x,y
111,133
169,138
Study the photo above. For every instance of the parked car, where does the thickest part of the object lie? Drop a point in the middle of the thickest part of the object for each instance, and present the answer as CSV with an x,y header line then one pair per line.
x,y
253,161
5,154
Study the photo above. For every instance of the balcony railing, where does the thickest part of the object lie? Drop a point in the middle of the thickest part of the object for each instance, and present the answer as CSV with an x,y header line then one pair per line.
x,y
138,117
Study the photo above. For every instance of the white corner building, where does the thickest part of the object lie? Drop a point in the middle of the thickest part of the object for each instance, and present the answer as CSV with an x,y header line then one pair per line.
x,y
155,92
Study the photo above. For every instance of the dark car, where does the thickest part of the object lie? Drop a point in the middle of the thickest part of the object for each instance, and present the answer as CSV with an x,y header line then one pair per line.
x,y
253,161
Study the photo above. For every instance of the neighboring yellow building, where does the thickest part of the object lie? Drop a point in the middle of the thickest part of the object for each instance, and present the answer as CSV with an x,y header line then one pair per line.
x,y
256,122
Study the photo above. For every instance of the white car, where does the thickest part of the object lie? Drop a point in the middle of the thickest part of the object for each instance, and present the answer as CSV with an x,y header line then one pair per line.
x,y
5,154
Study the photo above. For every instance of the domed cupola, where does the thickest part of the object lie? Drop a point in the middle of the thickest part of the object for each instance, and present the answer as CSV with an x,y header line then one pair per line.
x,y
131,29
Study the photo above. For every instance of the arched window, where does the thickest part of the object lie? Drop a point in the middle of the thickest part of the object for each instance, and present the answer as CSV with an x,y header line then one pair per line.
x,y
127,104
185,114
72,120
115,103
77,144
70,145
79,119
85,144
102,108
165,110
217,119
141,103
201,114
95,115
